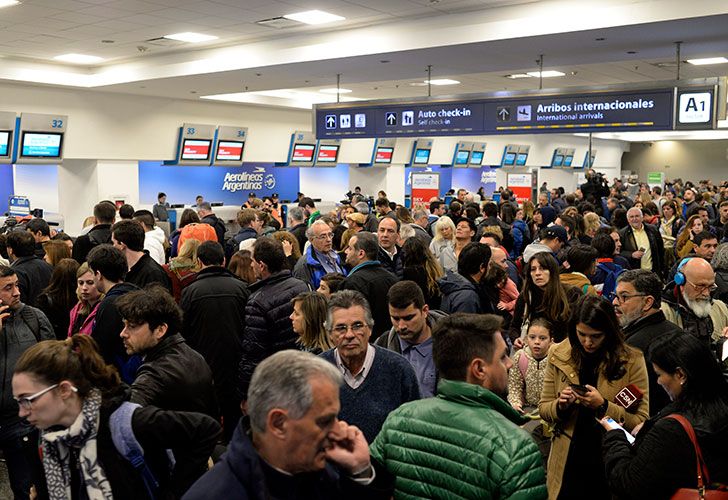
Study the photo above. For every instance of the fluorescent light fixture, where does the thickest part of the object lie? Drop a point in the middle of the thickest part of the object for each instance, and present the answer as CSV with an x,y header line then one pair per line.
x,y
8,3
708,60
314,17
190,37
516,76
280,97
335,91
79,58
545,74
442,81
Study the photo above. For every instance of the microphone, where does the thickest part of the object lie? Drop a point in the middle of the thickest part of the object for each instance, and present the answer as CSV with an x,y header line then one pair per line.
x,y
629,398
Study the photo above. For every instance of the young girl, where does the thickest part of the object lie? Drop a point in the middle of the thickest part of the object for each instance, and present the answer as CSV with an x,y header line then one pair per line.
x,y
525,378
507,290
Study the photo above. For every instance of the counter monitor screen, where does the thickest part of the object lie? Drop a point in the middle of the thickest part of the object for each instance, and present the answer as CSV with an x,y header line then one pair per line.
x,y
476,157
384,155
568,160
41,145
462,157
422,157
558,160
521,159
509,159
229,151
196,149
303,153
4,142
327,153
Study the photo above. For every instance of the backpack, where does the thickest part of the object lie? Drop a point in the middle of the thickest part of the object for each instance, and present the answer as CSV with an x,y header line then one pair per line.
x,y
610,280
30,318
197,230
125,442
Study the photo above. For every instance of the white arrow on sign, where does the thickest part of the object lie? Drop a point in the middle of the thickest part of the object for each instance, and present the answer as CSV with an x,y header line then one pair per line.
x,y
330,121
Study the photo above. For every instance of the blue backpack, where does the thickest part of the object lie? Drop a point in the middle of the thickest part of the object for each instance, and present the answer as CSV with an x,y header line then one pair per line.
x,y
610,280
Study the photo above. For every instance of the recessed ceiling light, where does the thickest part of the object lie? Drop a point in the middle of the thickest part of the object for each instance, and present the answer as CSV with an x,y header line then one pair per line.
x,y
708,60
335,91
516,76
545,74
442,81
190,37
8,3
314,17
79,58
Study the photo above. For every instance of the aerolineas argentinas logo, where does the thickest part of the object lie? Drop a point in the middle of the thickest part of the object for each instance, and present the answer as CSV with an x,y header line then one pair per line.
x,y
246,181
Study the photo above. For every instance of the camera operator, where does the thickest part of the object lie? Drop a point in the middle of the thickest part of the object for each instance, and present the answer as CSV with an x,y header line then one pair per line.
x,y
595,187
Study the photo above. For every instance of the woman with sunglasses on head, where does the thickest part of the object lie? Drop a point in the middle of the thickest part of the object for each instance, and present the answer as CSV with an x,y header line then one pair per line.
x,y
663,457
586,378
65,389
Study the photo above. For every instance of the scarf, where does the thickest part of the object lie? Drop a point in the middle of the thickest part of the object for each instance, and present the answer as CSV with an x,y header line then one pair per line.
x,y
81,435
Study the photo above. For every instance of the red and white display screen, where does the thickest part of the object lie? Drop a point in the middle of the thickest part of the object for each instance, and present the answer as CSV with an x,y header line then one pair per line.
x,y
303,152
196,149
229,151
327,154
384,155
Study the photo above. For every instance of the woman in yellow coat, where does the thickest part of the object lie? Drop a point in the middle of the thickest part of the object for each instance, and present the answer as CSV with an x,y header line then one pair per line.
x,y
584,375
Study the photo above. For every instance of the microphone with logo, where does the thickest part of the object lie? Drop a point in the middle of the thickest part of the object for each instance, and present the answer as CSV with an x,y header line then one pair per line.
x,y
629,398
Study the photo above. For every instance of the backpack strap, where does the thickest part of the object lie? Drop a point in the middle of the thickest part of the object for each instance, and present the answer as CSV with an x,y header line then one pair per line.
x,y
523,364
702,469
122,434
30,318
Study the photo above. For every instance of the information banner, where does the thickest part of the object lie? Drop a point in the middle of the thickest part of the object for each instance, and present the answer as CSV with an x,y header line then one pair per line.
x,y
520,185
655,179
425,185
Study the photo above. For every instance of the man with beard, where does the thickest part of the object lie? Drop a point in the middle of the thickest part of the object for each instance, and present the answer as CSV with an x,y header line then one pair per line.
x,y
686,301
637,303
463,291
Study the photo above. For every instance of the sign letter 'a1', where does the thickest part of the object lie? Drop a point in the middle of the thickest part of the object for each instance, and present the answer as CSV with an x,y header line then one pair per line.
x,y
695,107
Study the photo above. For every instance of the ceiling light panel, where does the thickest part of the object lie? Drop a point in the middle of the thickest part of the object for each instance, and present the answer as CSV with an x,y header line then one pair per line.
x,y
546,74
336,91
314,17
442,81
79,58
191,37
8,3
708,60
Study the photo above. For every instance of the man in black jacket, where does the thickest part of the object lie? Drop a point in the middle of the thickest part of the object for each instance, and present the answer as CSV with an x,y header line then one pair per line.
x,y
104,213
213,325
34,274
109,267
390,254
128,236
207,216
490,213
172,376
370,278
642,244
637,303
41,232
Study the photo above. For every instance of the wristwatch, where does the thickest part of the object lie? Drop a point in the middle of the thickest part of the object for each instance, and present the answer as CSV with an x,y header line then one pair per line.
x,y
602,409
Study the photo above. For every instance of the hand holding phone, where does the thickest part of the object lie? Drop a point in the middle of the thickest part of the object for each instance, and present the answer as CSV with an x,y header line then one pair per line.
x,y
581,390
591,398
610,424
5,313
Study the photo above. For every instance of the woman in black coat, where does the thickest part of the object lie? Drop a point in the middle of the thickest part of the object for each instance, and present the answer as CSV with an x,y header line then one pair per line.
x,y
663,459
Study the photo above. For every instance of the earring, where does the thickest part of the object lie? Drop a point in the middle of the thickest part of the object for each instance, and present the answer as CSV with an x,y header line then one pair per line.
x,y
682,382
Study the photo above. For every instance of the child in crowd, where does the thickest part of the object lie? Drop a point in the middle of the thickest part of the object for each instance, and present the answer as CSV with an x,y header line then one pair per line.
x,y
497,277
525,378
330,283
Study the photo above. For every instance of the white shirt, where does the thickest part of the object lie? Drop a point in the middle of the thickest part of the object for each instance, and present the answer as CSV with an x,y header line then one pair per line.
x,y
354,380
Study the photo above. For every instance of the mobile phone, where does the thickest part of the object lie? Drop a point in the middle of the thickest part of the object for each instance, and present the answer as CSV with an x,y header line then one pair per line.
x,y
615,426
581,390
641,249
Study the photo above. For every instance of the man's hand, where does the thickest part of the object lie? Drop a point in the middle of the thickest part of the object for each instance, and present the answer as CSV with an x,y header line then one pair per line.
x,y
349,449
592,399
637,254
287,247
4,313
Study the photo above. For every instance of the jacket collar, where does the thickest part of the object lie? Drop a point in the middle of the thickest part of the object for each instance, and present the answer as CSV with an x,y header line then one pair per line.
x,y
645,321
168,342
366,263
21,260
474,395
273,278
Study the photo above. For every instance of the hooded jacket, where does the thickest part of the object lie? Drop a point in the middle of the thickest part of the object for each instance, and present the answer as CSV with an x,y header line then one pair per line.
x,y
459,294
533,249
34,274
217,224
154,244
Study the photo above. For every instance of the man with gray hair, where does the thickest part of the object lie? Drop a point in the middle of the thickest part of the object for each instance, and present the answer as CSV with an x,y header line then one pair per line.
x,y
372,223
377,380
422,221
297,448
297,225
320,257
642,244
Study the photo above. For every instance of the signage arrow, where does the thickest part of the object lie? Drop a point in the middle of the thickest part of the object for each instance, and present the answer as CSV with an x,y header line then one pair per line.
x,y
504,114
391,119
330,121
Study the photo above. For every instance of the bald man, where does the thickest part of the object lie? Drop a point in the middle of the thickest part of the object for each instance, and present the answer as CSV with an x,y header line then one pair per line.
x,y
498,257
642,244
687,302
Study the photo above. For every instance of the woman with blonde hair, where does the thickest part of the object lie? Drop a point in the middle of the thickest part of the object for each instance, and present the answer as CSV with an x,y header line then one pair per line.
x,y
591,224
684,244
443,241
182,270
308,317
83,314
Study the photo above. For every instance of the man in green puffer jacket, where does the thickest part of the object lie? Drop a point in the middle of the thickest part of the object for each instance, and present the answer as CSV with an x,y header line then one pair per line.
x,y
464,443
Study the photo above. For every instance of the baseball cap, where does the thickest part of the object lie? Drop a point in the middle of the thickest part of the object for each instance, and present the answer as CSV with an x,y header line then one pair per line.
x,y
555,231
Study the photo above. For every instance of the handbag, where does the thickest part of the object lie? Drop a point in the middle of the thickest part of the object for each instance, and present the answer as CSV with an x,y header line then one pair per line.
x,y
703,478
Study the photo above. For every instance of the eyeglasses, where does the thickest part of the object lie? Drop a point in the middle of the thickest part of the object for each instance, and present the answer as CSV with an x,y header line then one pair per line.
x,y
356,328
702,288
26,402
324,236
624,297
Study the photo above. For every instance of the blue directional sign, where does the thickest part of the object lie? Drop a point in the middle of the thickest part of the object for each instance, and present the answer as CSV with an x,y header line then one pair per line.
x,y
330,121
390,118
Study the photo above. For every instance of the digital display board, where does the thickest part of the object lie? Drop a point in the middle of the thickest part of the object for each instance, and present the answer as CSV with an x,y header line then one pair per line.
x,y
327,153
521,159
421,157
558,160
384,155
41,145
196,149
476,157
229,151
568,160
303,153
462,158
4,142
509,159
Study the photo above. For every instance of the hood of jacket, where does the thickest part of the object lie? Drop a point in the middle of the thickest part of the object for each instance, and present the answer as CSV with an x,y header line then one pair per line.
x,y
454,282
157,234
474,395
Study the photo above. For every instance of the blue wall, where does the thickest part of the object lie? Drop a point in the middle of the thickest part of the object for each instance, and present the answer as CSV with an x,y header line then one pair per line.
x,y
6,186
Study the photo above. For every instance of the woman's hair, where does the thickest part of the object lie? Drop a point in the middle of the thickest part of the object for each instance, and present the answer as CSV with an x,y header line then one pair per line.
x,y
441,224
598,313
334,280
314,307
705,391
591,223
188,217
56,250
720,259
507,213
404,215
286,236
685,235
619,218
75,359
188,253
62,286
416,253
672,204
89,221
554,303
241,265
85,308
569,211
528,209
496,276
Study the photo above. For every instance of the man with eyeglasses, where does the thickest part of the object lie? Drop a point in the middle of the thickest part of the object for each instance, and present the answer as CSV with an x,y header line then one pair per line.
x,y
21,326
319,258
686,301
637,303
377,381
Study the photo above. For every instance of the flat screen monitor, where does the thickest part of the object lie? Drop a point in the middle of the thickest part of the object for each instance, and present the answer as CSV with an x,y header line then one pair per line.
x,y
558,160
384,155
462,157
196,149
521,159
41,145
509,159
327,153
5,136
476,157
229,151
303,153
422,157
568,160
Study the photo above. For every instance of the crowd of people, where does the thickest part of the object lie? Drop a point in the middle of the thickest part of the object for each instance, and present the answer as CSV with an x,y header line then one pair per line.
x,y
469,349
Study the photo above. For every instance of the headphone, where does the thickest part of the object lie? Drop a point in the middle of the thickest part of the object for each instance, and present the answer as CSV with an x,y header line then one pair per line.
x,y
679,276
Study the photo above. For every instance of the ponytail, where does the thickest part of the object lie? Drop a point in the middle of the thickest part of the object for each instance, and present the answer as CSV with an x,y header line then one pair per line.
x,y
75,359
